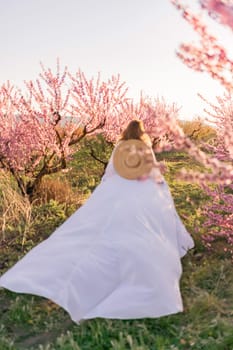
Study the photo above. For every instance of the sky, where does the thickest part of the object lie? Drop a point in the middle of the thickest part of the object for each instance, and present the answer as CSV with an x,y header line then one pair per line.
x,y
136,38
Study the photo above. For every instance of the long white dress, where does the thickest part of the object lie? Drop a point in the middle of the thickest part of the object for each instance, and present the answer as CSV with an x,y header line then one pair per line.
x,y
118,256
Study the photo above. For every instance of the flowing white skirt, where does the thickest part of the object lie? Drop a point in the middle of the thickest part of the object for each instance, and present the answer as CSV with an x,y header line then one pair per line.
x,y
118,256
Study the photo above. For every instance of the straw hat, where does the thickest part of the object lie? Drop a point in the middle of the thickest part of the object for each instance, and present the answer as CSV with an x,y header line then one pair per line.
x,y
132,159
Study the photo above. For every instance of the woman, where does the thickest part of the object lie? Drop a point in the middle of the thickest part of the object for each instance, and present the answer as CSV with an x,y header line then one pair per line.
x,y
135,131
118,256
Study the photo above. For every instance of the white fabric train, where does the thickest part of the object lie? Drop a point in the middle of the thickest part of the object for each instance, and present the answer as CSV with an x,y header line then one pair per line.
x,y
118,256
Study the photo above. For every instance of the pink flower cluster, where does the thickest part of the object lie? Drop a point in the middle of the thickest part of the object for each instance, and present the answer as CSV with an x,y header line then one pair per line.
x,y
39,126
221,10
211,57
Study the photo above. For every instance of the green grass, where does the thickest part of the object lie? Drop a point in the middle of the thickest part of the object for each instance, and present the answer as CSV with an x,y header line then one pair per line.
x,y
30,322
33,323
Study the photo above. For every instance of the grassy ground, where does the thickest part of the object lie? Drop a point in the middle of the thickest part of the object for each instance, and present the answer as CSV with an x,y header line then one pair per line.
x,y
29,322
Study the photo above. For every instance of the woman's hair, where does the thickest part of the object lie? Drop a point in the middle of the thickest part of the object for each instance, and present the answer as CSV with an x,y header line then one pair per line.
x,y
135,130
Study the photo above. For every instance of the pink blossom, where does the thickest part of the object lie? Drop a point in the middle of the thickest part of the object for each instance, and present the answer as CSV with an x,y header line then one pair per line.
x,y
222,10
209,56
